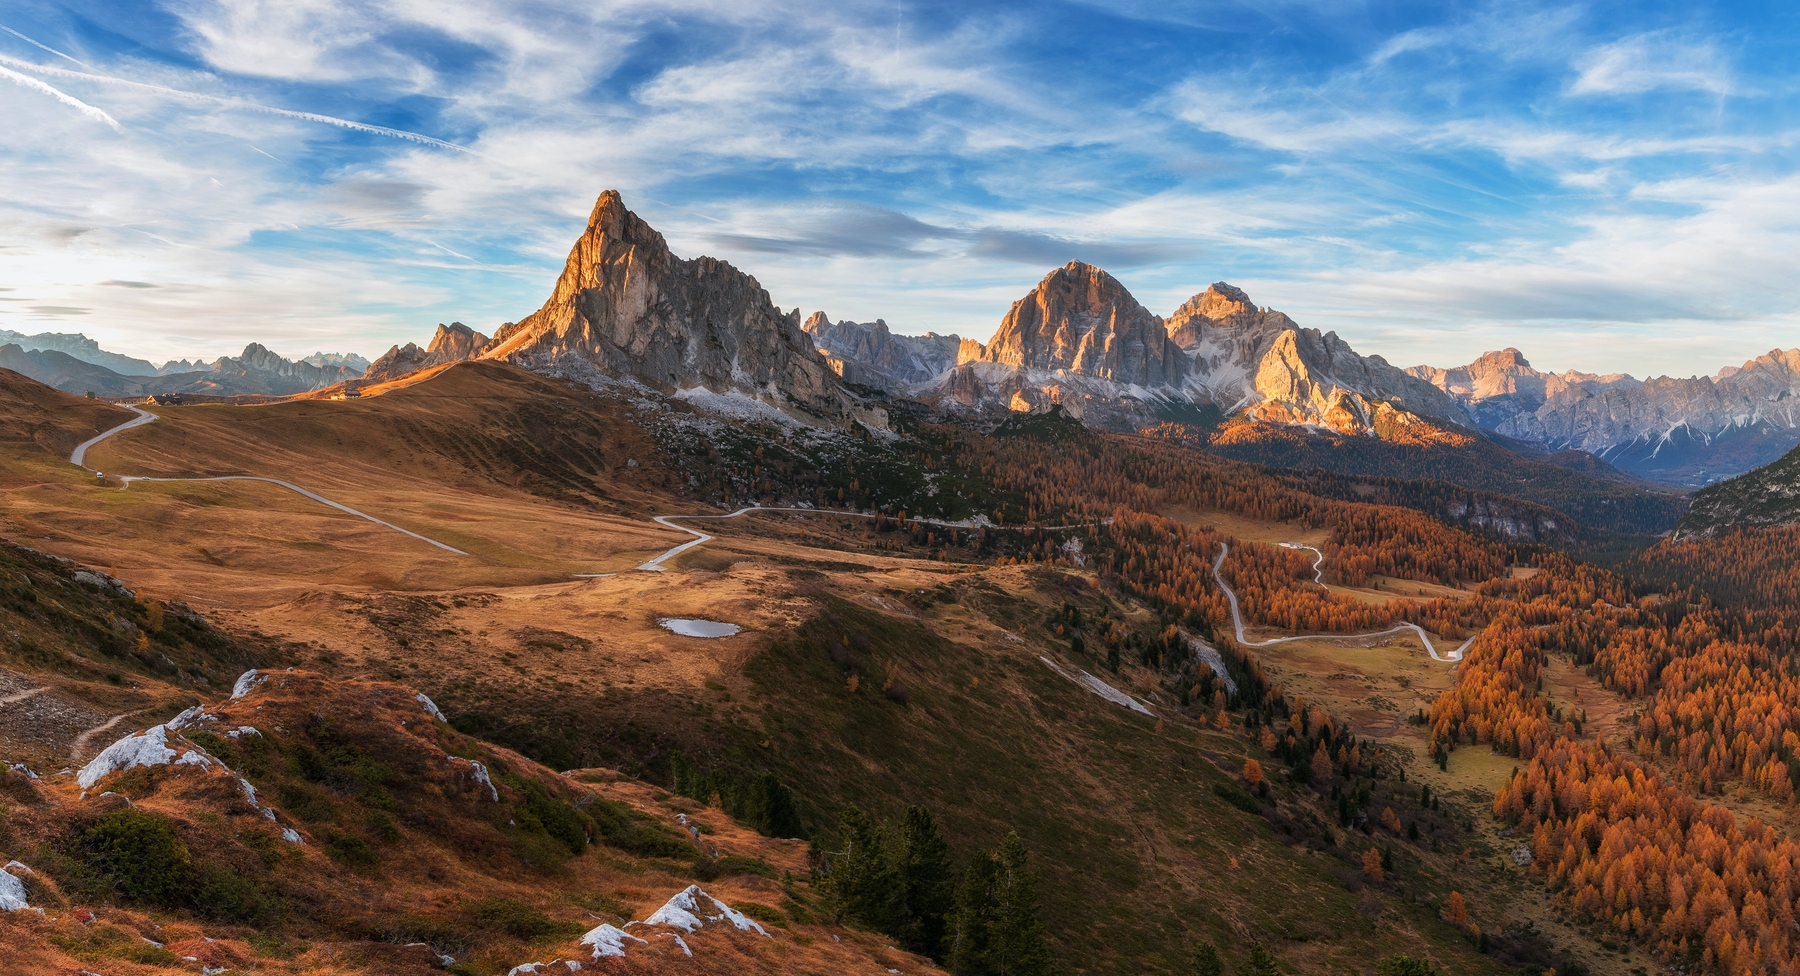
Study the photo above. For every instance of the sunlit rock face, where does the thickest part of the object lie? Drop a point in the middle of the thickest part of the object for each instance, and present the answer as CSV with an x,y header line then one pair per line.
x,y
627,310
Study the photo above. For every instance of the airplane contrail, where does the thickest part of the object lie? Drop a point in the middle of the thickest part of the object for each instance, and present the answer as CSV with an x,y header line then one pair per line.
x,y
380,130
46,47
70,100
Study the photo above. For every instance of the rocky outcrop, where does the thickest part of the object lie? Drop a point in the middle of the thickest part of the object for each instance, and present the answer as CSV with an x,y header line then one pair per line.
x,y
867,353
1766,496
1260,361
453,343
627,310
1690,431
349,360
1080,340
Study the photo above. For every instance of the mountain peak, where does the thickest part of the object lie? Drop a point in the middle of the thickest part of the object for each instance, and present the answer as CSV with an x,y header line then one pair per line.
x,y
1081,320
626,309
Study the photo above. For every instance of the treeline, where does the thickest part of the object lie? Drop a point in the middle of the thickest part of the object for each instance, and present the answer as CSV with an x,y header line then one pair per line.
x,y
761,801
899,880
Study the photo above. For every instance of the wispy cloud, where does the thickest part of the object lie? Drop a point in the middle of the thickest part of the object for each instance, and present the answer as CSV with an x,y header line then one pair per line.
x,y
348,172
1649,62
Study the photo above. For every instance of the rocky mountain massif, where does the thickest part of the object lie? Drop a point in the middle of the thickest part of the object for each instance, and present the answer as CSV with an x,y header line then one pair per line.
x,y
1081,340
79,347
627,309
1688,431
867,353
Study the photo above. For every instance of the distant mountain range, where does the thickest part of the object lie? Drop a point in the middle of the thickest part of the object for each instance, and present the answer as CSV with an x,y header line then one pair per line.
x,y
1687,431
625,310
255,371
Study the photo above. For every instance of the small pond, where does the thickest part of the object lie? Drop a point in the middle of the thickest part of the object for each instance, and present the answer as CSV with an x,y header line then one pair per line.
x,y
698,628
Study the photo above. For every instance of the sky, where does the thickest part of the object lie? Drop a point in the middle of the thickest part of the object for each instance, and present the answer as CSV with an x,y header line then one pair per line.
x,y
1606,187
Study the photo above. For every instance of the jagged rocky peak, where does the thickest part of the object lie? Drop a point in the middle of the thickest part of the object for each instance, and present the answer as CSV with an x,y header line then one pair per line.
x,y
1310,378
1081,320
626,309
868,353
1221,313
453,343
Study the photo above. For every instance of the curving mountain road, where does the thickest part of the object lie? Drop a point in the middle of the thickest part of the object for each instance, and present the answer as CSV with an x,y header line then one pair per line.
x,y
79,456
655,565
1318,560
1237,621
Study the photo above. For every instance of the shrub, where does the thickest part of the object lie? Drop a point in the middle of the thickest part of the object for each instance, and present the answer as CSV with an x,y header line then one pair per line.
x,y
140,855
552,815
621,827
220,893
520,920
350,850
763,913
1404,966
1237,798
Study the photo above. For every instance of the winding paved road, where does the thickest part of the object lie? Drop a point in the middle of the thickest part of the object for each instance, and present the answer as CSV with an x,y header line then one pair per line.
x,y
1237,621
144,417
655,565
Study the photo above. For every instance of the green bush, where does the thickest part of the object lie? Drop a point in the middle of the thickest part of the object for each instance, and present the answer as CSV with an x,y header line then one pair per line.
x,y
763,913
350,850
140,855
634,833
1231,794
1404,966
552,815
220,893
520,920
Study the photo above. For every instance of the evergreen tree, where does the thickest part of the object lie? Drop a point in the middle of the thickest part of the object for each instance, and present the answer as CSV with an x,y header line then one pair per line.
x,y
929,886
1207,961
972,931
1019,946
770,808
1404,966
1260,963
864,879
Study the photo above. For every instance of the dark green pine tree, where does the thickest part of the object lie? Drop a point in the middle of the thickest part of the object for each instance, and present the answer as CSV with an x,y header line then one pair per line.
x,y
770,807
1207,961
1019,947
930,889
865,879
972,928
1260,963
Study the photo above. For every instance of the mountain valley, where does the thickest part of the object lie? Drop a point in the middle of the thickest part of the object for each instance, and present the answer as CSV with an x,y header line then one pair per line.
x,y
665,630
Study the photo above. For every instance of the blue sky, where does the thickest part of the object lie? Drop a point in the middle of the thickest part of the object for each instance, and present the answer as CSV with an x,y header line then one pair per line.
x,y
1606,187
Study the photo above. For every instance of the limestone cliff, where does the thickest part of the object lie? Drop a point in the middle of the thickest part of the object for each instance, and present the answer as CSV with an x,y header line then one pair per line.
x,y
626,309
1079,320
